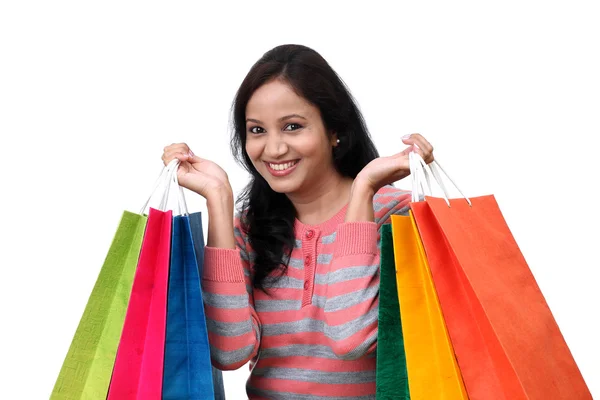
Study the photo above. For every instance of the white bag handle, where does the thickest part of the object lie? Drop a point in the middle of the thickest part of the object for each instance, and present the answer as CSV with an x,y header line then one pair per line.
x,y
418,178
181,204
424,172
165,179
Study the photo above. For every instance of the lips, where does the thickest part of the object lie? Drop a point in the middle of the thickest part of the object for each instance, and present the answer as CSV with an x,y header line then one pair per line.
x,y
282,168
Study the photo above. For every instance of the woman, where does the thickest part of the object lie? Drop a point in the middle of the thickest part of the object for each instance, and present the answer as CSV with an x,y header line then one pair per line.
x,y
292,284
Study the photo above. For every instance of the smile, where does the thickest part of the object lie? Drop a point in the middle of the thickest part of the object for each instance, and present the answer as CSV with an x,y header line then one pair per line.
x,y
281,169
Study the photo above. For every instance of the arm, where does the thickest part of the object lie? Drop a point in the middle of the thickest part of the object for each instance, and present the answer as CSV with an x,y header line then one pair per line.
x,y
233,324
355,312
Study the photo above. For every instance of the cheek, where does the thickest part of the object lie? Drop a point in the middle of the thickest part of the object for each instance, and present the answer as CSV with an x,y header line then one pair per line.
x,y
253,149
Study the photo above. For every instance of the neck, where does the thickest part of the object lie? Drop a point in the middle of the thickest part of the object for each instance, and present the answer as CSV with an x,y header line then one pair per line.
x,y
323,200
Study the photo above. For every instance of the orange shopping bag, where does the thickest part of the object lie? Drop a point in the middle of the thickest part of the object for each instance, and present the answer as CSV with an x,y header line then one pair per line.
x,y
432,369
506,341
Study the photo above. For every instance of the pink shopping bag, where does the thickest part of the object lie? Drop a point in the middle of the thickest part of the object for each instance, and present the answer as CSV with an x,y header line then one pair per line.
x,y
138,367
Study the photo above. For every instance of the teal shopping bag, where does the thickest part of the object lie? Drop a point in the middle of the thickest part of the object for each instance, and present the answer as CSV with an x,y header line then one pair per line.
x,y
391,373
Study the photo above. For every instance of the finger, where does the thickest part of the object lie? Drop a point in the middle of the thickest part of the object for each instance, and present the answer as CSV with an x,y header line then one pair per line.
x,y
408,139
418,139
426,149
423,143
171,155
176,147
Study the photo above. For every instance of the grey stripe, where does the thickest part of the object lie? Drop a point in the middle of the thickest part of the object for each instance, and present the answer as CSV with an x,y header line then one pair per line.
x,y
346,274
244,256
344,301
249,289
228,328
296,263
277,305
238,232
337,332
319,301
307,375
270,394
306,350
390,205
231,357
329,238
285,282
392,210
397,211
324,258
388,194
378,195
221,301
341,332
298,244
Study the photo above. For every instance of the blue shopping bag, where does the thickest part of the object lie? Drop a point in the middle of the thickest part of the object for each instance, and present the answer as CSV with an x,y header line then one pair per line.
x,y
188,373
198,239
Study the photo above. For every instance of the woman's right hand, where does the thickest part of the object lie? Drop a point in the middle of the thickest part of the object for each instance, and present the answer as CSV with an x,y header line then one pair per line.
x,y
197,174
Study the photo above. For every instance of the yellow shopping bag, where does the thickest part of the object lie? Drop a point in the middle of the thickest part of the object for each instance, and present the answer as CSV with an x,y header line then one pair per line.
x,y
433,372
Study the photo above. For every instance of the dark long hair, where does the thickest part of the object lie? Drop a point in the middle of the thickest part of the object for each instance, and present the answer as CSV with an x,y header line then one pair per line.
x,y
267,216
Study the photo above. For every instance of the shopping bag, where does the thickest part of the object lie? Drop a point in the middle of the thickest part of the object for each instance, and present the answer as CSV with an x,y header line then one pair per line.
x,y
138,370
198,241
391,376
433,372
188,369
507,343
88,365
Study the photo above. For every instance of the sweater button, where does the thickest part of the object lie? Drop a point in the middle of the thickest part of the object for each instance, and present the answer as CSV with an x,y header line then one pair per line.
x,y
307,260
310,234
306,285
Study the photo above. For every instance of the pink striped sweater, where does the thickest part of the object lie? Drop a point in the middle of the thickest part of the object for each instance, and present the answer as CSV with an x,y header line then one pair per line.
x,y
314,335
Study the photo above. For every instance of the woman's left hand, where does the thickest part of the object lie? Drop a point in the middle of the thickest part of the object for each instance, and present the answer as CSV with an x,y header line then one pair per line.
x,y
386,170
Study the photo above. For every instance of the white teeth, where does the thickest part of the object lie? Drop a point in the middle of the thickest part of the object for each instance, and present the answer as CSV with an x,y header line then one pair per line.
x,y
282,167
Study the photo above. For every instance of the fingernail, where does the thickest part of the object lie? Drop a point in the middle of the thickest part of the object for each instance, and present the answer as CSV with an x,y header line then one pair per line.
x,y
405,137
416,145
191,153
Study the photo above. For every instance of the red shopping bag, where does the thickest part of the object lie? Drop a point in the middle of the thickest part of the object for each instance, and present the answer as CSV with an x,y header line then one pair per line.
x,y
507,342
138,369
139,364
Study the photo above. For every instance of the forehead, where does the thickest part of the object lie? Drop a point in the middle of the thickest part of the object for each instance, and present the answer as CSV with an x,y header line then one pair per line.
x,y
276,98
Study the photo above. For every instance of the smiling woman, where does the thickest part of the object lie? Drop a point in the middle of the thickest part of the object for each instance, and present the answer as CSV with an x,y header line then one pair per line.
x,y
296,143
292,285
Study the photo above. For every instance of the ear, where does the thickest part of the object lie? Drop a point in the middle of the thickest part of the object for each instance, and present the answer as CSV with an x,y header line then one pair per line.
x,y
335,141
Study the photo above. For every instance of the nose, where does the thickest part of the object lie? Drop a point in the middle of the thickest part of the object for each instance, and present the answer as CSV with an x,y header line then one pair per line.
x,y
275,146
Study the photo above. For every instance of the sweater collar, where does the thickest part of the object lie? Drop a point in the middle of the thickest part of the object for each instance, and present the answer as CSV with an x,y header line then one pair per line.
x,y
328,226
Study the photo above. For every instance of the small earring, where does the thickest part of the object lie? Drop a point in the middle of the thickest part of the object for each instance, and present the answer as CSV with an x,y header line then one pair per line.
x,y
338,141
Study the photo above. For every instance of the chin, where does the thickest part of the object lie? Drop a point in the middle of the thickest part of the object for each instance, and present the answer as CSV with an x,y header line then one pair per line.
x,y
283,188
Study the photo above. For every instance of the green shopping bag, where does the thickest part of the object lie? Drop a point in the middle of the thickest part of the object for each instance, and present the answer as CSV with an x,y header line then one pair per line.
x,y
88,365
391,373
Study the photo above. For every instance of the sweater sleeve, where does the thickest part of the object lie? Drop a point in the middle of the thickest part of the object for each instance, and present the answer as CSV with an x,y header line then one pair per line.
x,y
352,314
233,324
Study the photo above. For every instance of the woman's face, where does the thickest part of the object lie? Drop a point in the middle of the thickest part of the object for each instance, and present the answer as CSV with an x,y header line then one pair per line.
x,y
286,139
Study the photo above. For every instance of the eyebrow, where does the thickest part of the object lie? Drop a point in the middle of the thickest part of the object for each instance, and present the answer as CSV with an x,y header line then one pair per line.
x,y
256,121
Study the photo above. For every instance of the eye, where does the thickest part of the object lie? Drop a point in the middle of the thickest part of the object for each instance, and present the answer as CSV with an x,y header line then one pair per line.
x,y
256,130
292,127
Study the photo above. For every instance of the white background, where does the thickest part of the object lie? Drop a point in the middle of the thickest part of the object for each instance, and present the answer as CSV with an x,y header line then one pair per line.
x,y
90,93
